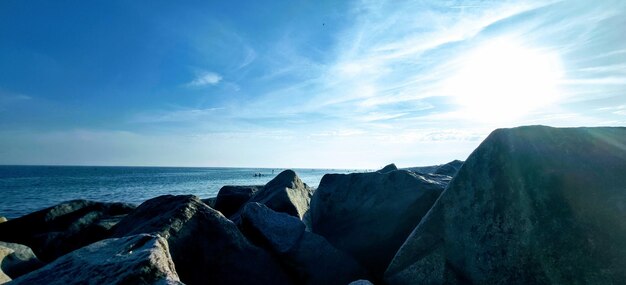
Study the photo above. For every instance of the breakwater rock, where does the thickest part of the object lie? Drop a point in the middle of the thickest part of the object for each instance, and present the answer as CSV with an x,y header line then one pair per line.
x,y
531,205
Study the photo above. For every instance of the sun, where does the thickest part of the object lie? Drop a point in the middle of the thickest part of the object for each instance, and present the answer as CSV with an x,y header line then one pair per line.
x,y
502,80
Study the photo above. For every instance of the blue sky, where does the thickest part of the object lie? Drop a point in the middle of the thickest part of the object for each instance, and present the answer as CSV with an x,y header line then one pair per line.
x,y
324,84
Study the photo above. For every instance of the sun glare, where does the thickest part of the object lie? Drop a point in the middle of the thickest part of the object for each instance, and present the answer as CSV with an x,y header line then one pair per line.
x,y
502,80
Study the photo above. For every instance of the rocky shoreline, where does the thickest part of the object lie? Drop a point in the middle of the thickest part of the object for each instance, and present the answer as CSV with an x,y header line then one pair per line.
x,y
531,205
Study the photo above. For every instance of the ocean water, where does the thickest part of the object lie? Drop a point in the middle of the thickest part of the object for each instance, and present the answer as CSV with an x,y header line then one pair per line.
x,y
25,189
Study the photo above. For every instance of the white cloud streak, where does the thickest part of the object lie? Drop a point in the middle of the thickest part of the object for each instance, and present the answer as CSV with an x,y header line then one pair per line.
x,y
205,79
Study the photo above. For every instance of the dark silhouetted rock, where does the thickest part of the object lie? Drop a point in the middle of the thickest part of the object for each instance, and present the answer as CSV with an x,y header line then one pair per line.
x,y
286,193
21,261
388,168
139,259
206,247
361,282
308,256
531,205
369,215
231,198
210,202
60,229
448,169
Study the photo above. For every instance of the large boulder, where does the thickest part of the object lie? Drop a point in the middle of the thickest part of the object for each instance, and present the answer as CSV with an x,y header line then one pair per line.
x,y
57,230
309,257
20,261
286,193
531,205
369,215
230,198
139,259
206,247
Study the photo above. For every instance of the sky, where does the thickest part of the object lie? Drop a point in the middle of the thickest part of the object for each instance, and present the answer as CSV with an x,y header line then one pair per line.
x,y
307,84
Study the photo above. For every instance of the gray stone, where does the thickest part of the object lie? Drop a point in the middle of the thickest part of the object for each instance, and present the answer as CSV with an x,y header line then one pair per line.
x,y
4,252
57,230
531,205
286,193
388,168
139,259
309,257
369,215
448,169
206,247
210,202
231,198
21,261
361,282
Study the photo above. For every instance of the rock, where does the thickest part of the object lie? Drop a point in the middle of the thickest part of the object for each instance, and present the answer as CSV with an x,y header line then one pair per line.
x,y
388,168
21,261
3,219
286,193
531,205
308,256
4,252
369,215
210,202
231,198
361,282
448,169
139,259
60,229
206,247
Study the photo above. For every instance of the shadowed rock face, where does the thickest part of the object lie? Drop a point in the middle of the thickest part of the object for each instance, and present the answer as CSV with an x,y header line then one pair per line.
x,y
286,193
309,257
369,215
448,169
206,247
230,198
140,259
21,261
60,229
531,205
388,168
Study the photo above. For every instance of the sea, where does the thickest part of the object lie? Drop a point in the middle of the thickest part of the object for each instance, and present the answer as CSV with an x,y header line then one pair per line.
x,y
25,189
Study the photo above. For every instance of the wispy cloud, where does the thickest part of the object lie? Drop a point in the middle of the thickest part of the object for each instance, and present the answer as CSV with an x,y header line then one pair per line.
x,y
205,79
184,115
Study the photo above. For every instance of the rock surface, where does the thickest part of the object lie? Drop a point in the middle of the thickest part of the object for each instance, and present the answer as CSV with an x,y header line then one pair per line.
x,y
311,258
361,282
531,205
448,169
206,247
21,261
4,252
210,202
231,198
140,259
369,215
286,193
60,229
388,168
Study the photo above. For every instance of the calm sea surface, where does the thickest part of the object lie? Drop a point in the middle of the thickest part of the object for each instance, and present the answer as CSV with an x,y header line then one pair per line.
x,y
24,189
